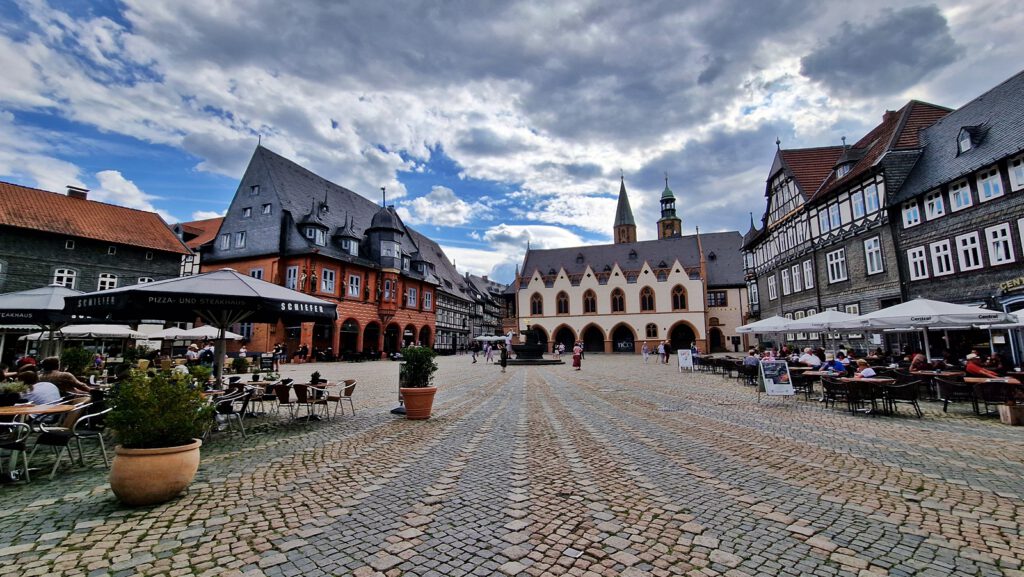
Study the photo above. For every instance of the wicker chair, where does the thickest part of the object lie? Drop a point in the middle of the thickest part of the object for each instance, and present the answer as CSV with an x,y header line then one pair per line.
x,y
955,391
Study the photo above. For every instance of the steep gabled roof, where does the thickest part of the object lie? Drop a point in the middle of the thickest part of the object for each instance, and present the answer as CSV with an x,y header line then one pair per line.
x,y
35,209
1000,110
810,166
623,213
196,233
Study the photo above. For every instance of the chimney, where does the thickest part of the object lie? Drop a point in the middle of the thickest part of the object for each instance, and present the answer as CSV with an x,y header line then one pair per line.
x,y
78,192
485,278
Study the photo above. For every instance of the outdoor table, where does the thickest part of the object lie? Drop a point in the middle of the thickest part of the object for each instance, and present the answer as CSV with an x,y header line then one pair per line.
x,y
1015,374
876,380
801,368
933,388
30,409
976,380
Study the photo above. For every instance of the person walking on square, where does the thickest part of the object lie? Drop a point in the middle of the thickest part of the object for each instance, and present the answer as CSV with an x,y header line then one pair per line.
x,y
473,348
646,352
502,356
577,356
661,352
488,353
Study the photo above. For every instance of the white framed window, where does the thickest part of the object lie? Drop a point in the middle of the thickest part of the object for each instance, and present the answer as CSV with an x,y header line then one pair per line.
x,y
798,315
785,282
812,336
959,195
911,214
266,208
873,255
963,141
1016,167
836,265
753,295
65,277
225,241
240,239
145,279
823,223
354,283
773,291
918,262
291,277
834,217
852,309
789,336
990,184
428,300
254,190
809,274
327,280
942,258
256,273
317,235
857,200
410,297
69,244
933,205
798,284
1000,249
247,212
968,251
871,198
389,248
107,281
111,250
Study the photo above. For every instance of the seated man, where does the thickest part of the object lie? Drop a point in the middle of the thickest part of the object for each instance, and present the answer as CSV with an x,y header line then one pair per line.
x,y
39,392
809,358
919,363
837,364
751,359
974,368
66,382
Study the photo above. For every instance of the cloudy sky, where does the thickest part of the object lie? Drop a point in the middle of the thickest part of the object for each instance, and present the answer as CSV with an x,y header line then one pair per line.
x,y
490,123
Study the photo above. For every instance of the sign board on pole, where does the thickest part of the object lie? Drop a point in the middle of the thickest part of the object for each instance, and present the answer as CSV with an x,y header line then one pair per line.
x,y
775,379
685,359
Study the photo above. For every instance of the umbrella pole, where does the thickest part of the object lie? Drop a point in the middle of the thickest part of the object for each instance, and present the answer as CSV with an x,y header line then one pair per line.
x,y
927,349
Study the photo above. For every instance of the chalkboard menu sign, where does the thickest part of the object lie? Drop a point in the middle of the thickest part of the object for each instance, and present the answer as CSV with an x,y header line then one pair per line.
x,y
267,362
775,378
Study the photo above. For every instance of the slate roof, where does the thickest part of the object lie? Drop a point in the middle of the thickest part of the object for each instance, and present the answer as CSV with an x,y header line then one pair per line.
x,y
623,213
35,209
725,269
196,233
1001,110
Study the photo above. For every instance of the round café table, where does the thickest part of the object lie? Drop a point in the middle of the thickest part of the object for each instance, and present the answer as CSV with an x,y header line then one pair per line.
x,y
30,409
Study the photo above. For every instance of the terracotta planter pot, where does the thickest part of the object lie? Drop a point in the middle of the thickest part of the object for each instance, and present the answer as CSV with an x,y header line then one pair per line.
x,y
418,402
151,476
1012,414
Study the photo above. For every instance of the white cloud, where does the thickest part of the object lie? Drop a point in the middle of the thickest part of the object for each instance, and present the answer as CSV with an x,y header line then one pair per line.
x,y
116,189
207,214
441,207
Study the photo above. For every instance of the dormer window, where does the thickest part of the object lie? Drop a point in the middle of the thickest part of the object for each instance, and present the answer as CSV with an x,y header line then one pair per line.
x,y
317,235
405,264
632,255
579,258
963,141
389,249
843,169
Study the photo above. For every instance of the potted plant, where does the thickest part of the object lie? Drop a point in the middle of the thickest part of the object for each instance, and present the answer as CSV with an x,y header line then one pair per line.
x,y
157,422
1011,413
11,393
239,365
415,375
75,359
201,374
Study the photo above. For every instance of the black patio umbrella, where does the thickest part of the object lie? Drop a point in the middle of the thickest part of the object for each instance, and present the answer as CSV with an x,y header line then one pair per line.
x,y
220,298
43,307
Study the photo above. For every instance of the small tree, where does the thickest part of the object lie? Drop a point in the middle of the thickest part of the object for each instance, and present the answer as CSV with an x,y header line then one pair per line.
x,y
158,411
75,359
417,368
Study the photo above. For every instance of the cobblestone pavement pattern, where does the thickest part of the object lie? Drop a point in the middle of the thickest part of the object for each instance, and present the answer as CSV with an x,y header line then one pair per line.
x,y
619,469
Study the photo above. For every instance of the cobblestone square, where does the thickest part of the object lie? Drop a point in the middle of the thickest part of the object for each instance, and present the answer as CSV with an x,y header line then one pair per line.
x,y
619,469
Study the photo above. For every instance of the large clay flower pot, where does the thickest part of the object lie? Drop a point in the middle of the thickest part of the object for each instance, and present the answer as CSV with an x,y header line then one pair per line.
x,y
151,476
418,402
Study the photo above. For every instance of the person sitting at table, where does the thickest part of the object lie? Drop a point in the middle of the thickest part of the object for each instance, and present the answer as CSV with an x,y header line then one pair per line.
x,y
809,358
837,364
751,360
975,369
994,363
864,371
878,356
39,392
919,363
66,382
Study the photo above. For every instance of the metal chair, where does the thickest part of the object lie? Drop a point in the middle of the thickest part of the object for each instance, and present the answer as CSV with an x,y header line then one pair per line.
x,y
13,438
283,394
904,393
834,391
59,438
954,391
345,394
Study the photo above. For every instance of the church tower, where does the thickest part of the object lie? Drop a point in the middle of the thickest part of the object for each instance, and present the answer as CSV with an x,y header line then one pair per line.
x,y
669,224
625,226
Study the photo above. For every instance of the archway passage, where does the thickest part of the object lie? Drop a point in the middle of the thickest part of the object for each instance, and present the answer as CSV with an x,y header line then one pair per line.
x,y
392,338
371,339
408,336
348,338
682,336
542,336
425,336
565,336
593,339
623,340
716,341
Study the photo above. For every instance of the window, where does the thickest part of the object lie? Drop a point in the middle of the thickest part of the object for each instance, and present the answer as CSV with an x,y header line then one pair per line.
x,y
107,281
1000,251
354,282
823,221
240,239
836,265
843,169
317,235
291,277
871,198
536,305
773,291
256,273
247,212
327,277
798,284
812,336
618,301
651,331
808,274
990,184
797,316
388,295
646,299
69,244
853,309
254,190
225,241
752,293
678,298
968,249
389,248
911,214
149,255
111,250
245,329
959,195
789,336
266,208
411,299
857,199
942,258
718,299
562,303
1016,167
873,255
145,279
834,217
428,300
918,263
589,302
65,277
786,289
933,206
963,141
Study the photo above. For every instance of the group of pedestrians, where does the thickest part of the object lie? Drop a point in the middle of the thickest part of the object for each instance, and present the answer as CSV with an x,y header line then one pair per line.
x,y
488,350
664,350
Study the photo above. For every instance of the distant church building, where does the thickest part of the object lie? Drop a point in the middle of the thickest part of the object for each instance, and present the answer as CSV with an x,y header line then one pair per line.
x,y
682,289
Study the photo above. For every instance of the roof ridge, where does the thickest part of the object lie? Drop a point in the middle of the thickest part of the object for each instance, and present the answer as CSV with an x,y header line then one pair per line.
x,y
60,195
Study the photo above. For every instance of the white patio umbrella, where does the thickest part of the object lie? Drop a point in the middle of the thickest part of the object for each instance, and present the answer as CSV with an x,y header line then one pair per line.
x,y
89,332
205,332
823,322
774,324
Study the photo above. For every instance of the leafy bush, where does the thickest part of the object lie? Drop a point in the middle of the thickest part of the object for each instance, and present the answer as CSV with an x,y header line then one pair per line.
x,y
314,379
158,411
417,368
201,374
75,359
239,365
13,388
